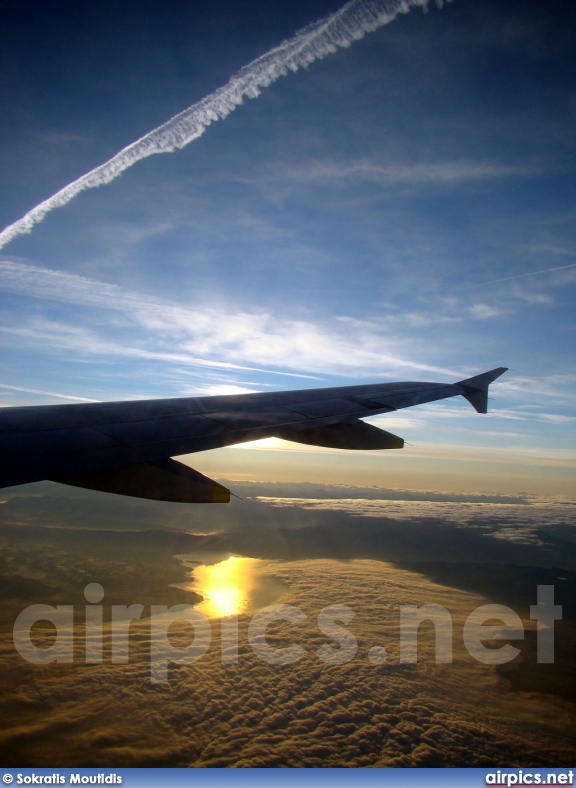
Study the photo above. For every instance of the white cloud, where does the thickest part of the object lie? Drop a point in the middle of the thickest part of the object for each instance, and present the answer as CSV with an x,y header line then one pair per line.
x,y
389,422
210,336
485,312
217,390
531,297
513,522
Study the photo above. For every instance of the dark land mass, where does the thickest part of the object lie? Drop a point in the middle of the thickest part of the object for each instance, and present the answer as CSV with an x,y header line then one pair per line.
x,y
516,587
53,566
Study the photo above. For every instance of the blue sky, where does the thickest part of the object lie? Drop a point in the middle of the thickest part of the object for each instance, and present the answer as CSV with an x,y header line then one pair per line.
x,y
402,209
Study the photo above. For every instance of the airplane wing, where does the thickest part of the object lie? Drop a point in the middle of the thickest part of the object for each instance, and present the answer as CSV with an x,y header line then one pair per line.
x,y
126,447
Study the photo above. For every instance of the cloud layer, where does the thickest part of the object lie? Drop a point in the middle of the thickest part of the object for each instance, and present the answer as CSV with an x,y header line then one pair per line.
x,y
307,714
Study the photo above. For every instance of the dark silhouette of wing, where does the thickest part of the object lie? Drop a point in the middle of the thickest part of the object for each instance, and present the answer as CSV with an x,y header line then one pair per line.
x,y
125,447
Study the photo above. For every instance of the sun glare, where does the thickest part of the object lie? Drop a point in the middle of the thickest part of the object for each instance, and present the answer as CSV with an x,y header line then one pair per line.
x,y
226,586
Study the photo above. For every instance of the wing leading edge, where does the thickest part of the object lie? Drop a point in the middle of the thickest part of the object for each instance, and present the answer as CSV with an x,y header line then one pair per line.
x,y
125,447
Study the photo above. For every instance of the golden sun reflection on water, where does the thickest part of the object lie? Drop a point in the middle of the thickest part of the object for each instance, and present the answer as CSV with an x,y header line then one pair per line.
x,y
229,587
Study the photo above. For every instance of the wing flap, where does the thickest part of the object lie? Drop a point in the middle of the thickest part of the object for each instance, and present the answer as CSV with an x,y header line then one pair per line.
x,y
162,480
355,436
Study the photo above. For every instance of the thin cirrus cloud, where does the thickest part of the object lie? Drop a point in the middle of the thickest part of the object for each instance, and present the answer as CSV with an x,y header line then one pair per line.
x,y
558,388
86,343
418,174
520,456
339,30
203,335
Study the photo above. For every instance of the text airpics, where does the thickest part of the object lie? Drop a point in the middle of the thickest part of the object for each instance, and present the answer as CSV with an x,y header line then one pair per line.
x,y
342,651
510,779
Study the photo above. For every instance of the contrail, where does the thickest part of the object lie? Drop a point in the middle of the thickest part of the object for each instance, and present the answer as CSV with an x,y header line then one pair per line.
x,y
49,393
351,23
522,276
